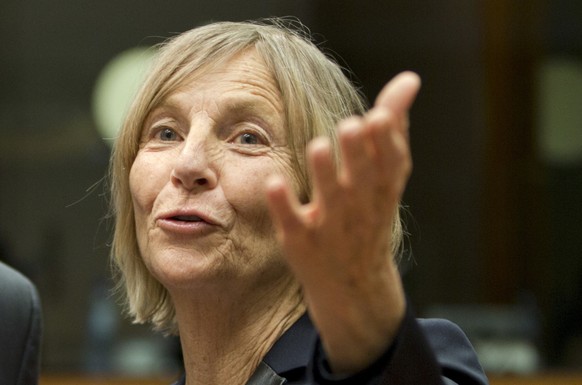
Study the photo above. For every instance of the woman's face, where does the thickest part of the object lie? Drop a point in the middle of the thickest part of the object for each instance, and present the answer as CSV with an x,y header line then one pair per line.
x,y
198,180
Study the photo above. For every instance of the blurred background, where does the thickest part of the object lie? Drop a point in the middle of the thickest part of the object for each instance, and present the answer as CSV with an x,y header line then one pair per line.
x,y
494,206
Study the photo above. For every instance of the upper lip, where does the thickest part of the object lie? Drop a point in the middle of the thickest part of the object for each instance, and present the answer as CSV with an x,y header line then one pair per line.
x,y
182,214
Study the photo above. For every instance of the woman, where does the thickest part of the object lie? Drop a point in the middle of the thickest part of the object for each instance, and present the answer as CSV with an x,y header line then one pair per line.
x,y
256,213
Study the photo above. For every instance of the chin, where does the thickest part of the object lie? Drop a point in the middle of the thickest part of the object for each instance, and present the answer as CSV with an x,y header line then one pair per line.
x,y
188,269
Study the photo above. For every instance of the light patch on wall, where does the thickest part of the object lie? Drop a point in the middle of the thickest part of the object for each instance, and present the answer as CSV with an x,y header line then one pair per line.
x,y
560,110
115,88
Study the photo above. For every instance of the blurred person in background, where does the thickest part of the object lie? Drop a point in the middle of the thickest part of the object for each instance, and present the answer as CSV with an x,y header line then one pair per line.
x,y
20,328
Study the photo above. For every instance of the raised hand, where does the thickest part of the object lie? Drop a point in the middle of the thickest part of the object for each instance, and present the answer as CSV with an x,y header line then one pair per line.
x,y
339,244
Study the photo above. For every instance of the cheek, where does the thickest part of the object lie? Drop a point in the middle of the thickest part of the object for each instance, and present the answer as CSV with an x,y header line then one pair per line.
x,y
247,196
244,187
245,183
146,180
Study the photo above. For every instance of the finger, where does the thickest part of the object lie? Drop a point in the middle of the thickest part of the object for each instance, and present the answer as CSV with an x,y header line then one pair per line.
x,y
288,218
382,177
284,207
323,171
396,164
399,94
358,164
391,147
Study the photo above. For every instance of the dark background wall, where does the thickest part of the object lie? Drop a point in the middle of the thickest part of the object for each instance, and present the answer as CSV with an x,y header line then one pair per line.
x,y
484,209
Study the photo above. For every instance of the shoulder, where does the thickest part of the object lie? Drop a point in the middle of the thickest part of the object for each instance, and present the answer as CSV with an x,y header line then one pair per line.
x,y
18,296
442,331
452,349
444,335
21,326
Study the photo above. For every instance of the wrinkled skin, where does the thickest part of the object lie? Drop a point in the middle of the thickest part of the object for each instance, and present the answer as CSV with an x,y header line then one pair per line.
x,y
219,223
207,151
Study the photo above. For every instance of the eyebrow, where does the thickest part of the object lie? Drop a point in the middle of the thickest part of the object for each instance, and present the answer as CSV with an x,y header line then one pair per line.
x,y
236,104
246,105
264,112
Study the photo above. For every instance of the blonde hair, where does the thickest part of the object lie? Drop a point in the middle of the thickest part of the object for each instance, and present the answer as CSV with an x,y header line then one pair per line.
x,y
314,90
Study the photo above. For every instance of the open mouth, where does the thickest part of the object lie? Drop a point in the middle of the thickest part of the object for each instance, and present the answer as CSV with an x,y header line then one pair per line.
x,y
187,218
186,223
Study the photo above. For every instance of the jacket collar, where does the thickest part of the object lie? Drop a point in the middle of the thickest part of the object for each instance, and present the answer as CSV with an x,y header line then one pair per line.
x,y
291,353
294,349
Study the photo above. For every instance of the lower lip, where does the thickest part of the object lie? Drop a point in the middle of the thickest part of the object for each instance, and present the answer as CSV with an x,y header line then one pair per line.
x,y
184,227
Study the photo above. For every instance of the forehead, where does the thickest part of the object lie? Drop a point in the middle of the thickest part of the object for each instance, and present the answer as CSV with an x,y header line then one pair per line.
x,y
243,78
241,89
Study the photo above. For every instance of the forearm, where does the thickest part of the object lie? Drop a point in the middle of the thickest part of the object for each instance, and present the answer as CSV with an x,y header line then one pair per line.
x,y
361,320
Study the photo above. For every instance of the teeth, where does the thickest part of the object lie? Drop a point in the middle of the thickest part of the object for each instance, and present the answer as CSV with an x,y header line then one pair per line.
x,y
188,218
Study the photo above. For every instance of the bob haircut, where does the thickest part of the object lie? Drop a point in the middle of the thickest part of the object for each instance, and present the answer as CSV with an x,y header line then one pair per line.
x,y
316,95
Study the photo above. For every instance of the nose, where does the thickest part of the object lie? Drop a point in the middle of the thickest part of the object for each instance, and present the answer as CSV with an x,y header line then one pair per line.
x,y
195,166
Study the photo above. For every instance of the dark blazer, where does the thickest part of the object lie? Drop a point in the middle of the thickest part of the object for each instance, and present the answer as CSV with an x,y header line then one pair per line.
x,y
424,352
20,329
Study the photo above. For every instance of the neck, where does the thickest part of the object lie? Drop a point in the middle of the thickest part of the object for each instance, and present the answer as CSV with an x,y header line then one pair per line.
x,y
225,331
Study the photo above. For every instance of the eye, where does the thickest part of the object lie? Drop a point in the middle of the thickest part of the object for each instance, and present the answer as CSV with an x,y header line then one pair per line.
x,y
167,134
249,139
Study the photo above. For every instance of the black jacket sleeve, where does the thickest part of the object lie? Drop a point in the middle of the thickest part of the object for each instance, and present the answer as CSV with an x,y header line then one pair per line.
x,y
424,352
